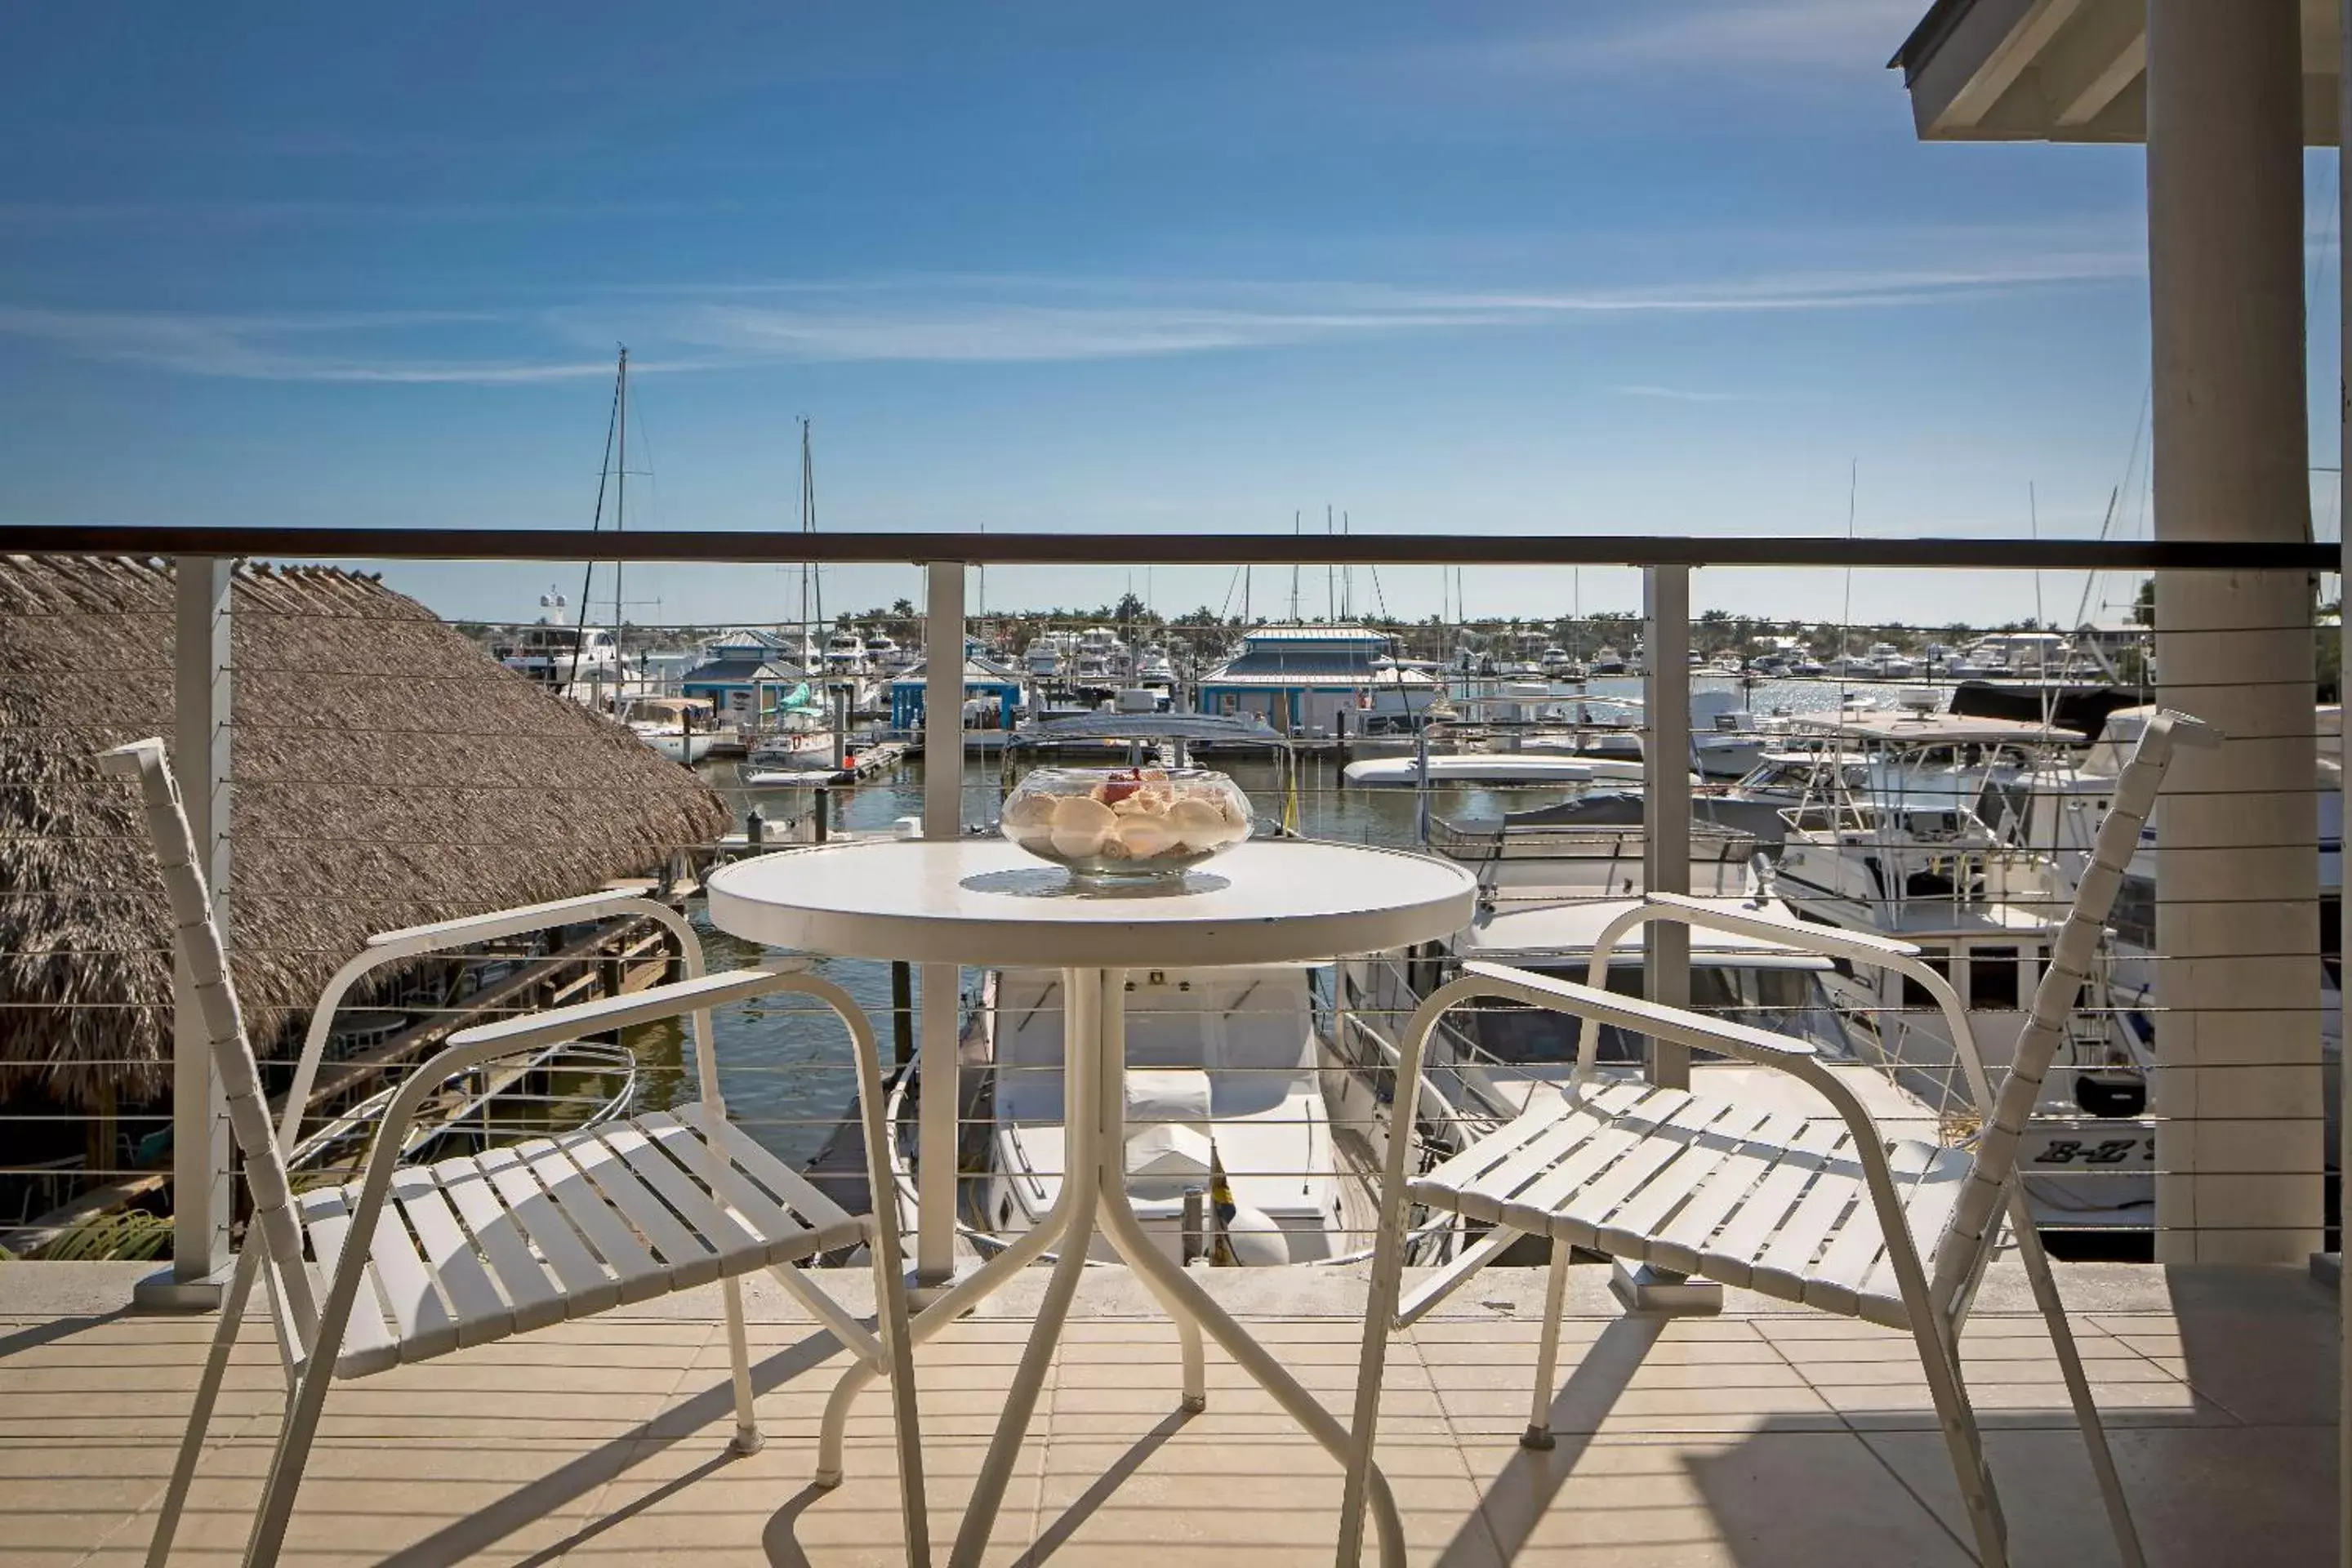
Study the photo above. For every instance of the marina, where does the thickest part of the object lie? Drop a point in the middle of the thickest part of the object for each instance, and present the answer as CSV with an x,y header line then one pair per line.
x,y
1747,974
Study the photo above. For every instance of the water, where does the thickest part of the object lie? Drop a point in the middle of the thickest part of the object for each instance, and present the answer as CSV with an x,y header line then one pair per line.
x,y
785,1063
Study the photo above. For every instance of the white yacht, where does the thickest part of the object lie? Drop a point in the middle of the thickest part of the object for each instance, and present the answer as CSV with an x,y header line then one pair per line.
x,y
844,653
585,662
1046,655
1896,847
1547,895
1152,668
1224,1096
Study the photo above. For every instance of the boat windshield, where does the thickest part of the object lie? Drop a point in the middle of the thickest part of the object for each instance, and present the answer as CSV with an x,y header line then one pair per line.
x,y
1785,1000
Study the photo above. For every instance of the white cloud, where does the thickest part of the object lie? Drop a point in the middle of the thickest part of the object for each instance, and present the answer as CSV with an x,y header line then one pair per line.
x,y
966,319
1684,394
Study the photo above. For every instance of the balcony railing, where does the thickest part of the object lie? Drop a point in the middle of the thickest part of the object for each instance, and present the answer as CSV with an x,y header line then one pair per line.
x,y
2212,1186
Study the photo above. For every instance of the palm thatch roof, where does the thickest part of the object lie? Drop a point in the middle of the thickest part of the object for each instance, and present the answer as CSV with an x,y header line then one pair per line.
x,y
386,772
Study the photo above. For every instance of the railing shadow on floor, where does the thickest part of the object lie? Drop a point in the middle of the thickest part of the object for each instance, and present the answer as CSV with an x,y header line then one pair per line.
x,y
710,1412
1050,1539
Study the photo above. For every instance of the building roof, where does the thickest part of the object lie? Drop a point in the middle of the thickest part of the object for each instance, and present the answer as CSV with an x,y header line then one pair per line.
x,y
976,672
1294,671
386,772
2066,70
1338,634
743,672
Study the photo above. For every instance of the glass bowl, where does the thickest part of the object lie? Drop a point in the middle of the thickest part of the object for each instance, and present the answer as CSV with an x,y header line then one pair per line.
x,y
1126,824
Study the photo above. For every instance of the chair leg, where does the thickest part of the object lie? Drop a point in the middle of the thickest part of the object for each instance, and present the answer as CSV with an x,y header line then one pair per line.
x,y
1380,1314
1939,1360
286,1466
739,1349
1538,1433
897,1331
200,1418
2078,1385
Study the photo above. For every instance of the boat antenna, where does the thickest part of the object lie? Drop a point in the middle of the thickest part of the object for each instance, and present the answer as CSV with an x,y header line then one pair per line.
x,y
596,522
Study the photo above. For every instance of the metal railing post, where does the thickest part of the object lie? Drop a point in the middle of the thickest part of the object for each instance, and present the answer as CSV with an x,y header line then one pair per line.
x,y
1666,780
202,1197
935,1189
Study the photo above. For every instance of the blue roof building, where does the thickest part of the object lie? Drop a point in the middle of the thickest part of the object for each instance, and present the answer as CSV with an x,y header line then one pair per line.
x,y
1301,678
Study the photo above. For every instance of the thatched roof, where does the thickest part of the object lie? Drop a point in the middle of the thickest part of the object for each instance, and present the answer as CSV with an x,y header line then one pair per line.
x,y
386,773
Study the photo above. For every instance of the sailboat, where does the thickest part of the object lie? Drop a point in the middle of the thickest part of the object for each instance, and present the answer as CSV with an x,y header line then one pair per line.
x,y
585,662
801,742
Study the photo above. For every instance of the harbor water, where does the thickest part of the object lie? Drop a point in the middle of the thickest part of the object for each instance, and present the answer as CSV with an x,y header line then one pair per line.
x,y
785,1063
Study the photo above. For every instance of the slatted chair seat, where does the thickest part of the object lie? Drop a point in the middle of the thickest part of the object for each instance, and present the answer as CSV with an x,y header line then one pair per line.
x,y
467,1251
473,1249
1771,1203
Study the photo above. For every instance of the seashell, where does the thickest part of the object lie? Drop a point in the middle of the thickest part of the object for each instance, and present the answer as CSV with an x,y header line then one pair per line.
x,y
1080,825
1198,823
1143,835
1029,812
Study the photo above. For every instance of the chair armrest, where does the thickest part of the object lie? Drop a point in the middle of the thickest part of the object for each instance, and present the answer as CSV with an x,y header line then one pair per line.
x,y
507,922
554,1024
1831,941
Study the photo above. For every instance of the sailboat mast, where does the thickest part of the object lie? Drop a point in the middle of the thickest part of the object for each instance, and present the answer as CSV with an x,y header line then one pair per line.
x,y
808,506
619,513
1297,529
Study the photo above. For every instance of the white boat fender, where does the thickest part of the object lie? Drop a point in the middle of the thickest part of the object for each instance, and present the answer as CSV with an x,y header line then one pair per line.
x,y
1257,1242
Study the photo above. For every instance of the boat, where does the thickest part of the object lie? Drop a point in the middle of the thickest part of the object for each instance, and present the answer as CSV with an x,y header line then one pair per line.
x,y
1607,660
578,660
1485,768
1047,656
1547,897
1152,668
1896,847
680,728
1225,1101
2051,810
1725,741
845,655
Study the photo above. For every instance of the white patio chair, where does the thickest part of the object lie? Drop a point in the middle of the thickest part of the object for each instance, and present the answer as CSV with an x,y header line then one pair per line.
x,y
1831,1215
467,1251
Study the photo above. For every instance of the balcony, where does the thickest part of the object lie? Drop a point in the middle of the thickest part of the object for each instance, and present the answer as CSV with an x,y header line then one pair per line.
x,y
1758,1439
1760,1436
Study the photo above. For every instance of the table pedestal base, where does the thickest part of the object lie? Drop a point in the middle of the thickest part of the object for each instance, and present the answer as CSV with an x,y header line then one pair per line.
x,y
1094,1193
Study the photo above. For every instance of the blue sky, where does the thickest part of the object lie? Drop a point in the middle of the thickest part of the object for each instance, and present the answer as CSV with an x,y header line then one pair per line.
x,y
1664,267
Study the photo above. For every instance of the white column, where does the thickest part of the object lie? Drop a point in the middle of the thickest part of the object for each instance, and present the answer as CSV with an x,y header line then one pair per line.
x,y
2238,1085
942,819
2343,683
1667,807
202,1199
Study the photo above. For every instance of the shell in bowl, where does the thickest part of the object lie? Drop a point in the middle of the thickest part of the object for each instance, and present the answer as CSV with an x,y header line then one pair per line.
x,y
1126,823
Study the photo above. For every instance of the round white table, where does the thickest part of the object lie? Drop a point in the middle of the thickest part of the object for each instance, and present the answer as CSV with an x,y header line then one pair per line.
x,y
983,901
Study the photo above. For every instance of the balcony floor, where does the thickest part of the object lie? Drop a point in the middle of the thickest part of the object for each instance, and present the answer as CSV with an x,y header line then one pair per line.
x,y
1761,1437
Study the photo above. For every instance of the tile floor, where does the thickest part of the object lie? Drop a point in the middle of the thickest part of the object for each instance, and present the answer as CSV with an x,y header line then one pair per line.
x,y
1753,1440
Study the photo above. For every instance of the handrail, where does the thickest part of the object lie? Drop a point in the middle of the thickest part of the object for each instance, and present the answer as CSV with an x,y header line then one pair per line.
x,y
415,942
1424,547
